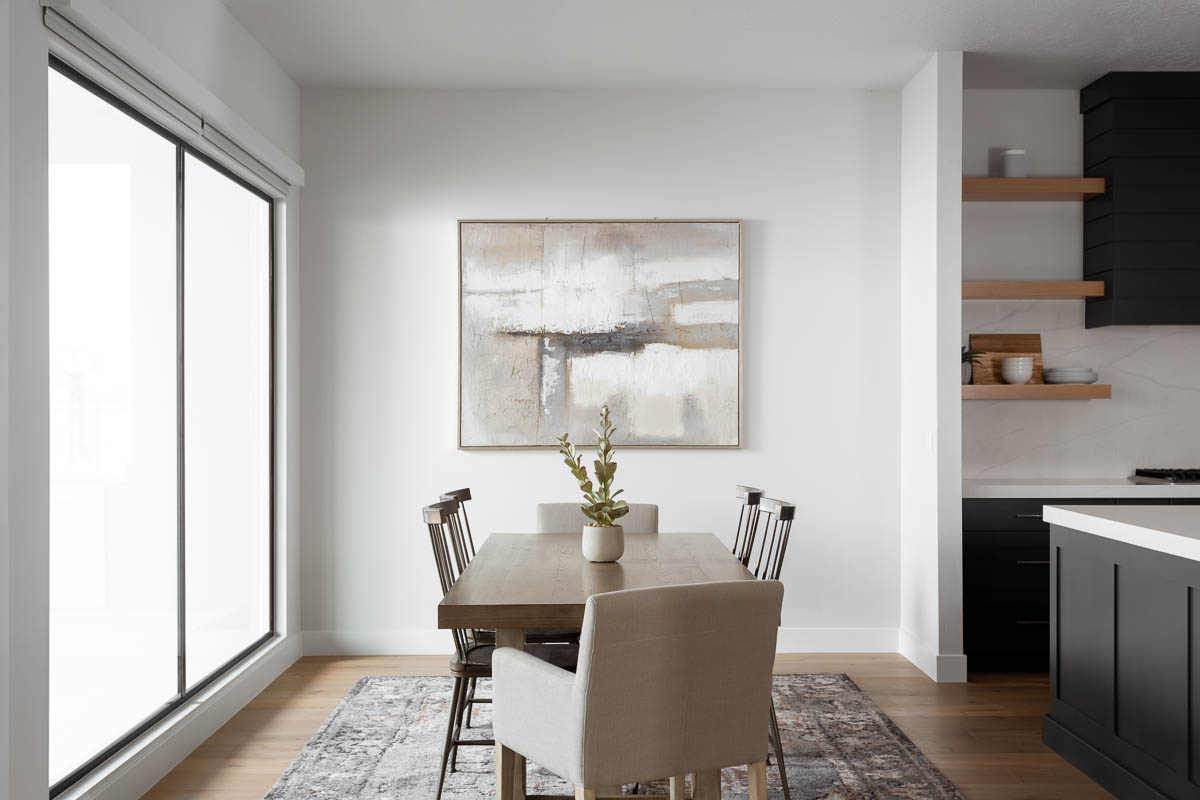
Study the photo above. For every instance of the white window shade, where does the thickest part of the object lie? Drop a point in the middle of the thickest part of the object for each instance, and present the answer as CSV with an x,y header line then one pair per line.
x,y
91,39
238,160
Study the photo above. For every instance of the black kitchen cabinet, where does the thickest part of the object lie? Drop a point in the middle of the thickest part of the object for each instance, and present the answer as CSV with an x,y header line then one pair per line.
x,y
1142,237
1125,666
1006,579
1006,583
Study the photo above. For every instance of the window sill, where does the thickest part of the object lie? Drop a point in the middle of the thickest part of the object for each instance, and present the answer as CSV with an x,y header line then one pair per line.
x,y
134,770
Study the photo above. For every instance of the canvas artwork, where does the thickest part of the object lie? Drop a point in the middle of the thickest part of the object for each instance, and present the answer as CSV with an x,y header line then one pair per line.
x,y
560,318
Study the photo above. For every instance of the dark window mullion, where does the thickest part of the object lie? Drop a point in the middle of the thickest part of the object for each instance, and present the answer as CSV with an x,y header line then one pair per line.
x,y
271,622
181,498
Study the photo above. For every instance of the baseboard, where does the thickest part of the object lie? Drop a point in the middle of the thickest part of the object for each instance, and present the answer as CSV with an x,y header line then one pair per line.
x,y
410,642
429,642
836,640
133,772
942,667
1096,765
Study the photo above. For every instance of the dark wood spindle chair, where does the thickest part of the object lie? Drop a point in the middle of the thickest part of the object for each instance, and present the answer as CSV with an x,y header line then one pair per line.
x,y
461,529
774,517
461,496
460,532
777,529
747,527
472,657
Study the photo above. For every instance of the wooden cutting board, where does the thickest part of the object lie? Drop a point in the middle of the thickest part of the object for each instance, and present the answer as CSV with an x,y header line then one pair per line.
x,y
993,348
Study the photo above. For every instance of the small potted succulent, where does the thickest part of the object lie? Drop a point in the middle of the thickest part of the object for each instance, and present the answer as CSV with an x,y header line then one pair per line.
x,y
969,359
603,538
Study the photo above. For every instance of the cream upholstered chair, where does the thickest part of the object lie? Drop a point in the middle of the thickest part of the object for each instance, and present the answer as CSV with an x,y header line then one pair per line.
x,y
670,680
568,518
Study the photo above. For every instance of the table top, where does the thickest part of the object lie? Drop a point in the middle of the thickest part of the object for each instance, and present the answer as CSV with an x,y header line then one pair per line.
x,y
521,580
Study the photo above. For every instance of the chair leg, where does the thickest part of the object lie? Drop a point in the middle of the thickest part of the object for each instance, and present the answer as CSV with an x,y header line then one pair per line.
x,y
449,734
787,793
707,785
519,775
504,772
458,722
758,780
584,794
678,787
470,703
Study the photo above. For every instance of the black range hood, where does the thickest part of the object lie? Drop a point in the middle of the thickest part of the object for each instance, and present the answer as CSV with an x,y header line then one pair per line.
x,y
1141,133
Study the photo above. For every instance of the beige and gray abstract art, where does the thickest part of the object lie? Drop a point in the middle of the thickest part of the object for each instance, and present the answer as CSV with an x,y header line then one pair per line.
x,y
561,318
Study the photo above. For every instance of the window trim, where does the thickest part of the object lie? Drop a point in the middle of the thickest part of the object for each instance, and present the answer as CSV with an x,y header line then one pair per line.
x,y
184,694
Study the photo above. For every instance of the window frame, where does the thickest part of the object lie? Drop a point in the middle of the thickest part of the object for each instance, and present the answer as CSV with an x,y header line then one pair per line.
x,y
184,694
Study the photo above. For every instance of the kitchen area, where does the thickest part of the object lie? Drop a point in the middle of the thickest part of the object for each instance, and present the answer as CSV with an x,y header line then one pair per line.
x,y
1081,494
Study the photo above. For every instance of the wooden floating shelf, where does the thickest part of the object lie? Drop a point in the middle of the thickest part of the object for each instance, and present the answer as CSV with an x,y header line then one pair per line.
x,y
1038,391
1031,290
991,190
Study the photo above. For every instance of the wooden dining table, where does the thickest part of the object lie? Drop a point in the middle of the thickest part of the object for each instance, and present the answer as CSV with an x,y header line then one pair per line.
x,y
519,581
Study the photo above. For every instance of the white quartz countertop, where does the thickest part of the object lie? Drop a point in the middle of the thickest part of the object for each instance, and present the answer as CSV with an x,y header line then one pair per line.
x,y
1071,488
1174,530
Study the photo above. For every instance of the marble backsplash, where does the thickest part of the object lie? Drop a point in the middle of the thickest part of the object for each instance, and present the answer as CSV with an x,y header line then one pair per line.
x,y
1153,418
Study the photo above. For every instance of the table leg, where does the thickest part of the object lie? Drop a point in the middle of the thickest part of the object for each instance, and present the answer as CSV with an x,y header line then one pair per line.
x,y
707,785
514,637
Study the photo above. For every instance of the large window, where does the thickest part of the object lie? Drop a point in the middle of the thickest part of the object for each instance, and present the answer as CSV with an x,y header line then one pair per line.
x,y
160,424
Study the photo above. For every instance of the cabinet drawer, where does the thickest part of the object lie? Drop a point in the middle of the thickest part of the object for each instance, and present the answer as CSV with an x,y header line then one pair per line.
x,y
1019,593
1009,545
1008,643
1025,577
1012,514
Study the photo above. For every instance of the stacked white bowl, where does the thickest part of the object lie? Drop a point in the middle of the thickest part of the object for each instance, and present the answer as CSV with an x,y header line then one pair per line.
x,y
1017,370
1069,375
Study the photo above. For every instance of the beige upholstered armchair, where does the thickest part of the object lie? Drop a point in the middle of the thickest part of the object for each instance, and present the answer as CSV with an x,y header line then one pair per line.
x,y
670,681
568,518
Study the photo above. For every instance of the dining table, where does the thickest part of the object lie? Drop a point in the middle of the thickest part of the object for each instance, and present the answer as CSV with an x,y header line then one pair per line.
x,y
521,581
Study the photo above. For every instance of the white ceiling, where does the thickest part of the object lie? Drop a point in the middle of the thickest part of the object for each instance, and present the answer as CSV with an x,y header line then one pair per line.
x,y
715,43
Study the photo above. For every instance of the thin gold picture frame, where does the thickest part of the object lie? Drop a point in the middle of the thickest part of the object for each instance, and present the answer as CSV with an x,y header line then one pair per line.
x,y
741,434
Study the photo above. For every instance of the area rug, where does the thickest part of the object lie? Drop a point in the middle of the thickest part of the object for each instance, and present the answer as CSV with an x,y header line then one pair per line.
x,y
384,742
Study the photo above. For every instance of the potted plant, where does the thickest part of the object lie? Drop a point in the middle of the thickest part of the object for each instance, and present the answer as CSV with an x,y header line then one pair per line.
x,y
969,358
603,538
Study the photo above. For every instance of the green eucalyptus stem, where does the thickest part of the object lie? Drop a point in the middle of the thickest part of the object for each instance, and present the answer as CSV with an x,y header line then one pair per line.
x,y
601,507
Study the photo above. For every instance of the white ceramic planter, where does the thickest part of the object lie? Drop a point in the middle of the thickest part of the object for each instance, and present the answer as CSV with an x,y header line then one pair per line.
x,y
603,544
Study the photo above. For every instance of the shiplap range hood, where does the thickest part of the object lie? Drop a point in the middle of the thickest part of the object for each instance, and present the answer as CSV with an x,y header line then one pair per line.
x,y
1142,237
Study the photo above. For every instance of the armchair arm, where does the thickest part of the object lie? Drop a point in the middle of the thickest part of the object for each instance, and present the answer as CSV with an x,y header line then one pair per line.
x,y
533,711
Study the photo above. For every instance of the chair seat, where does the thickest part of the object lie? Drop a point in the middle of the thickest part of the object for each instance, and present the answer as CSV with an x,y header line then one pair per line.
x,y
535,635
478,663
552,635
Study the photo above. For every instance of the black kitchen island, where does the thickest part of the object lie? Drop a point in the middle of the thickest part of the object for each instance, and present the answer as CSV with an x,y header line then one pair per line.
x,y
1125,646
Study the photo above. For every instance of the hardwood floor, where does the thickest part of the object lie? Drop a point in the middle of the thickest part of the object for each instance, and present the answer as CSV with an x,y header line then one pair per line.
x,y
985,735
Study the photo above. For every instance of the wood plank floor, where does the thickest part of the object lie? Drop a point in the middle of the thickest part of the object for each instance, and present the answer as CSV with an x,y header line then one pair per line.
x,y
985,735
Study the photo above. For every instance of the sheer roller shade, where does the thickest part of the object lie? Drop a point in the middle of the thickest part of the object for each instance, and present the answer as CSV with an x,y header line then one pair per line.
x,y
88,52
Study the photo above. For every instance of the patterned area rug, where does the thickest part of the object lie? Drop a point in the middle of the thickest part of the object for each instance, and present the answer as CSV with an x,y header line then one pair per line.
x,y
384,741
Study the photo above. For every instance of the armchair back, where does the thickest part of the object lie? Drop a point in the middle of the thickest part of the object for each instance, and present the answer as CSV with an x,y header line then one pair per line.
x,y
675,679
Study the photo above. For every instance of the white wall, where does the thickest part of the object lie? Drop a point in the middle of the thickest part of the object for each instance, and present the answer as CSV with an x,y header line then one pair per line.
x,y
388,173
1151,419
930,266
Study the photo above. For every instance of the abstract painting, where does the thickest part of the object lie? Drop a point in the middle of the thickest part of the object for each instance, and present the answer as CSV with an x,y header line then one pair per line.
x,y
560,318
